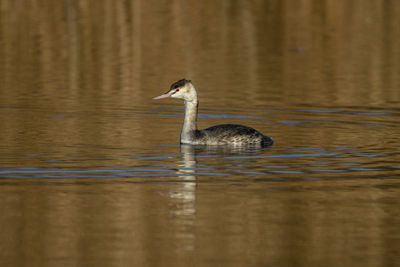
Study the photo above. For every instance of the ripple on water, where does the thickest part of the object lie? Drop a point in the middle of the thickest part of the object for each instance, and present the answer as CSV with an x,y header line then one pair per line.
x,y
286,164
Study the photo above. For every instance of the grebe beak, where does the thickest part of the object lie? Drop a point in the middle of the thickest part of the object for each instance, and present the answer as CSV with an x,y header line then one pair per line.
x,y
166,95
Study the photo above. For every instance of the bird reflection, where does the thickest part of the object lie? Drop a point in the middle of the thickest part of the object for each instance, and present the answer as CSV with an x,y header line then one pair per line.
x,y
183,195
186,192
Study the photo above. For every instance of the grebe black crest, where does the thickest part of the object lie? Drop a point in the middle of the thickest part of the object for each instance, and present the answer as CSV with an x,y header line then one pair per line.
x,y
179,83
224,134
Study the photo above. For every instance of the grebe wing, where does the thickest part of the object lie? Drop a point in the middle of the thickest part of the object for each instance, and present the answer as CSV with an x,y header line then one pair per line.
x,y
231,130
228,133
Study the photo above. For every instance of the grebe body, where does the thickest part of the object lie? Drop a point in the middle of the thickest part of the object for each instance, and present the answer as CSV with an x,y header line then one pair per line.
x,y
224,134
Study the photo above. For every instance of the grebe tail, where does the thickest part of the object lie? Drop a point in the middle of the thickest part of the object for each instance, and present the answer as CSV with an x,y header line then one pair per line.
x,y
224,134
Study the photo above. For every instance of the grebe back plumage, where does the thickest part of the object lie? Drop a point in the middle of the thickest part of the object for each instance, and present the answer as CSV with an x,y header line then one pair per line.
x,y
224,134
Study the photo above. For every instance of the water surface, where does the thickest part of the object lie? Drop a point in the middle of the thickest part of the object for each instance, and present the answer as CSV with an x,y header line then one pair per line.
x,y
91,170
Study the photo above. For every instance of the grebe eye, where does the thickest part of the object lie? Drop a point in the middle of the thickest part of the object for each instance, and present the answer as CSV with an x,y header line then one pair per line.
x,y
177,90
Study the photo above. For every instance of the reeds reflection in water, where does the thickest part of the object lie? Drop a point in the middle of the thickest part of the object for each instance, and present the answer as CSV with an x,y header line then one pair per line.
x,y
91,171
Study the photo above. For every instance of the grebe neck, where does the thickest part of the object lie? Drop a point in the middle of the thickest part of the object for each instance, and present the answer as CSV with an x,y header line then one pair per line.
x,y
190,121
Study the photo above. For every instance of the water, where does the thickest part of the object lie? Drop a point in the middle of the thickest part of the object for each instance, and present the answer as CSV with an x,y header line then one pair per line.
x,y
91,170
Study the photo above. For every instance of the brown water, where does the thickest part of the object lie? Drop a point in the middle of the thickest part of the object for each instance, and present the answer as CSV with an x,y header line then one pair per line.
x,y
91,170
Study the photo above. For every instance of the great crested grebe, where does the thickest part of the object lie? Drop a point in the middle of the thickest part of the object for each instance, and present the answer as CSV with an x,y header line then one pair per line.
x,y
223,134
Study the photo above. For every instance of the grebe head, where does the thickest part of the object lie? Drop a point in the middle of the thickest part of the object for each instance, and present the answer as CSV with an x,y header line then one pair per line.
x,y
182,89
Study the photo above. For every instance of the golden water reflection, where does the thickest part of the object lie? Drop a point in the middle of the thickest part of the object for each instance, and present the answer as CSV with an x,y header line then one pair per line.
x,y
76,83
114,223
